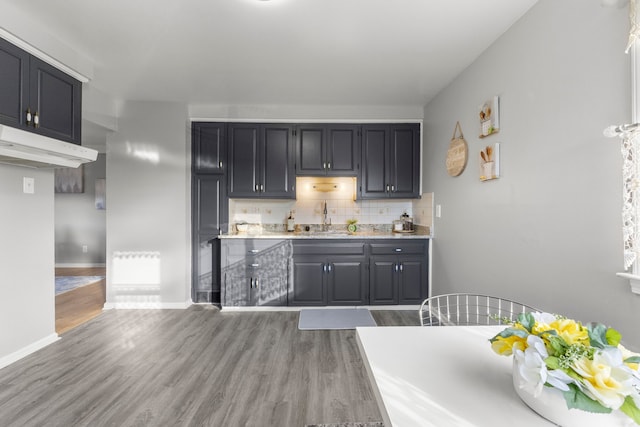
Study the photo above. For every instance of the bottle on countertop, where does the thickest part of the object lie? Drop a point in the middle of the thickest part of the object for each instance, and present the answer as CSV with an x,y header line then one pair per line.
x,y
291,223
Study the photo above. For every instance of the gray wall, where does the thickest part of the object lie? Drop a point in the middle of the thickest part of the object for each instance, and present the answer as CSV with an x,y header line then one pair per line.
x,y
548,231
27,317
148,204
78,222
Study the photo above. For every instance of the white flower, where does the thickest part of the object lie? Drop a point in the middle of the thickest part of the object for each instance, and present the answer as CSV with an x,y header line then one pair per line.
x,y
606,378
531,366
559,379
544,318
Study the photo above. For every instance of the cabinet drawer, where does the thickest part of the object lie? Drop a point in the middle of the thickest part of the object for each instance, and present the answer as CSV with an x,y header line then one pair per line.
x,y
255,251
248,247
391,248
328,247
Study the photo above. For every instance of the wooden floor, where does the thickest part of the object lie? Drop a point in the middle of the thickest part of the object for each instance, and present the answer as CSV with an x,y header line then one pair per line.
x,y
193,367
79,305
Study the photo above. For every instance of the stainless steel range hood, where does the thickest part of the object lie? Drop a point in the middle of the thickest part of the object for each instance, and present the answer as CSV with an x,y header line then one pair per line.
x,y
22,148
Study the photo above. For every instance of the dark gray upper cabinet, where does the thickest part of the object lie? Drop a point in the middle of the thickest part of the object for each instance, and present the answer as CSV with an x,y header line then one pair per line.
x,y
261,161
390,161
209,145
14,84
327,150
210,204
38,97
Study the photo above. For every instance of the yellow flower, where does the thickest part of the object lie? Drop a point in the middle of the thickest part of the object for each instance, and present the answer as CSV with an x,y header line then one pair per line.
x,y
605,378
505,346
570,331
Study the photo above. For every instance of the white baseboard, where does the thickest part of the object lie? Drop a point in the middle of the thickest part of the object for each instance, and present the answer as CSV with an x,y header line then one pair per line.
x,y
124,305
298,308
25,351
80,265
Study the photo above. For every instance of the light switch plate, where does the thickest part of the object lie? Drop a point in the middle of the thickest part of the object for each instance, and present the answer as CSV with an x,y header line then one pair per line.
x,y
28,185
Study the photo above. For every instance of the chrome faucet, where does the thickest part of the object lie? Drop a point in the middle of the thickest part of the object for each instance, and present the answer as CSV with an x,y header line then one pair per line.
x,y
325,221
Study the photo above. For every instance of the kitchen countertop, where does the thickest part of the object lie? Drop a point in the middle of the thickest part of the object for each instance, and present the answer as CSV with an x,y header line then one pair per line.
x,y
327,235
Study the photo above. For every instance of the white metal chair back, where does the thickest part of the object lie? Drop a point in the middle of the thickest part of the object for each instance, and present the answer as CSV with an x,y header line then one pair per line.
x,y
470,309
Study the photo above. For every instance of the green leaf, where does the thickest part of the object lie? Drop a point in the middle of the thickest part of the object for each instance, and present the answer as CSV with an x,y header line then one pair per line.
x,y
613,337
597,335
557,344
630,409
575,398
632,359
552,362
526,320
509,332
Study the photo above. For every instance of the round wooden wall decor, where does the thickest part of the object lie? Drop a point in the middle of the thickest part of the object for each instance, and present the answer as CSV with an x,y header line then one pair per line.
x,y
458,153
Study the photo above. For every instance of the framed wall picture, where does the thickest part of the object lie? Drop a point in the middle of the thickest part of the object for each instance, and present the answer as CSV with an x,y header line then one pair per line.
x,y
490,162
489,114
69,180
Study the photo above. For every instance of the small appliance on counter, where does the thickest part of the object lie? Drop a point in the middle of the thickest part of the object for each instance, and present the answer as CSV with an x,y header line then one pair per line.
x,y
404,224
291,223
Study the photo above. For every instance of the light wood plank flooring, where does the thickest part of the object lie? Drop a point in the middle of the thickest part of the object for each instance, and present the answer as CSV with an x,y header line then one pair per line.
x,y
194,367
79,305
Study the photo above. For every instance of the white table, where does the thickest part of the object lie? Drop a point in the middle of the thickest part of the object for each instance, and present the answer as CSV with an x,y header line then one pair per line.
x,y
441,377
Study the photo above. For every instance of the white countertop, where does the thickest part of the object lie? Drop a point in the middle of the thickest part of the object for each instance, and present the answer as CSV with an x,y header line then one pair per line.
x,y
442,377
324,235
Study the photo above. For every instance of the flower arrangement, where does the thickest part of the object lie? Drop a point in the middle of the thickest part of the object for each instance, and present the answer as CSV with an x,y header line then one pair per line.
x,y
594,372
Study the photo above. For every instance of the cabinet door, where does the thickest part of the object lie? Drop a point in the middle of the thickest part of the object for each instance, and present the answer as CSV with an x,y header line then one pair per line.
x,y
56,98
237,285
270,289
309,277
343,152
206,262
14,75
310,152
209,144
383,280
347,281
277,176
243,160
404,158
374,181
412,280
209,207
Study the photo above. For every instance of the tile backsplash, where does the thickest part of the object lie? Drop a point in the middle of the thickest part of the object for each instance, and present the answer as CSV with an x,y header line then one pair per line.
x,y
341,206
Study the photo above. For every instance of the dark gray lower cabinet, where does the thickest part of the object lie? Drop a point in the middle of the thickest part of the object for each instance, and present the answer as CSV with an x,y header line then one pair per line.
x,y
209,209
329,273
347,280
399,272
317,272
308,287
255,272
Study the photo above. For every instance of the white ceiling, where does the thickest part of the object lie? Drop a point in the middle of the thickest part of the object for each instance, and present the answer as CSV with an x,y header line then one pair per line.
x,y
285,52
